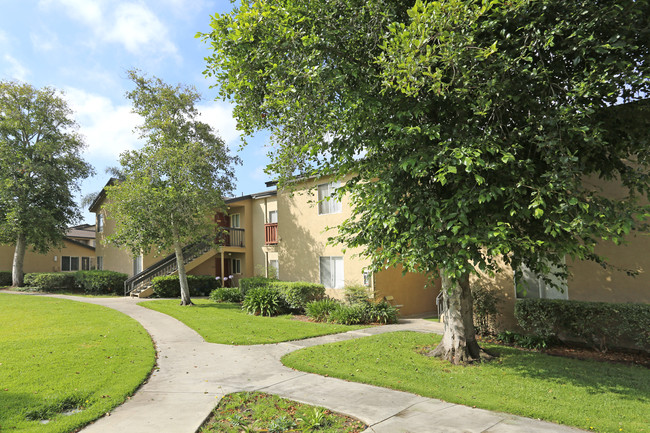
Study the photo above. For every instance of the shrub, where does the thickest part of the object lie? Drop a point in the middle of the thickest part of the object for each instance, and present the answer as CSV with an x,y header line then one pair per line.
x,y
485,309
526,341
349,314
226,294
246,284
50,281
168,286
264,301
298,294
381,312
5,278
320,310
598,324
100,282
356,294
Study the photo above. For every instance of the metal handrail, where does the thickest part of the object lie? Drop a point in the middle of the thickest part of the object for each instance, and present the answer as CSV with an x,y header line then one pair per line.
x,y
440,304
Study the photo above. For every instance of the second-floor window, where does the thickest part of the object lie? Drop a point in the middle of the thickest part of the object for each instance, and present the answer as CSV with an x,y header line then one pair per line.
x,y
326,203
100,223
273,217
234,220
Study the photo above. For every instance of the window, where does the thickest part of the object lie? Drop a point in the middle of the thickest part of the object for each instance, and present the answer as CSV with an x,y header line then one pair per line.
x,y
367,278
533,287
85,263
234,220
100,263
69,263
274,269
273,217
327,204
100,223
236,266
137,265
331,272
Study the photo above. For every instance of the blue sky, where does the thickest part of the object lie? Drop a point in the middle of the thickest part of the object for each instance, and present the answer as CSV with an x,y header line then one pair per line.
x,y
85,47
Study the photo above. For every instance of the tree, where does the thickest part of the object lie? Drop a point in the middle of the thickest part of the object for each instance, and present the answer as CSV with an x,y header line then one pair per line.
x,y
40,170
171,188
472,128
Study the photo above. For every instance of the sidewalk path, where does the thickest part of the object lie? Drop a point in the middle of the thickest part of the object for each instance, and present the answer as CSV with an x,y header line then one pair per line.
x,y
193,375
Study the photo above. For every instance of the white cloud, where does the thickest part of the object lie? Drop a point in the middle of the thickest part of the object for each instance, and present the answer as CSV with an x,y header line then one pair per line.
x,y
14,69
130,24
108,128
44,41
220,118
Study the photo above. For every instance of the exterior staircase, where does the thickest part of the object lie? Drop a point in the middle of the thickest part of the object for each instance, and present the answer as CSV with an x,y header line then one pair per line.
x,y
139,285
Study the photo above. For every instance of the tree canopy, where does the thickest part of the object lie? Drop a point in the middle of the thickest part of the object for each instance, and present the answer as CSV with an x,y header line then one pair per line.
x,y
172,187
473,129
40,169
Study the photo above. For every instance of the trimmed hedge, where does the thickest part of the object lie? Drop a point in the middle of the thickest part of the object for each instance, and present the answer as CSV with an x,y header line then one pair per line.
x,y
298,294
100,282
50,281
226,294
5,278
246,284
168,286
601,325
363,312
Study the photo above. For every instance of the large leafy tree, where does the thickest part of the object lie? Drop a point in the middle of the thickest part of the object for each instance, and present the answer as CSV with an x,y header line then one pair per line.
x,y
170,189
40,169
474,129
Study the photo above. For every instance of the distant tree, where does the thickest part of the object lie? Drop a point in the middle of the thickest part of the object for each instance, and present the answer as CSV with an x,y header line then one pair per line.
x,y
172,187
40,170
470,126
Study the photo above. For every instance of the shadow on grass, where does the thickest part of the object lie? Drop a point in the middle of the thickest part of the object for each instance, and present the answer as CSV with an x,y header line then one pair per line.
x,y
629,382
15,406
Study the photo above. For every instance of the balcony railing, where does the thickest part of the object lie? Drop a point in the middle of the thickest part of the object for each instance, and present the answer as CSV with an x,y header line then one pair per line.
x,y
232,237
271,234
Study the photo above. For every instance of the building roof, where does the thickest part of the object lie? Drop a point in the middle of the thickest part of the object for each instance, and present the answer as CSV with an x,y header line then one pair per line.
x,y
256,195
94,206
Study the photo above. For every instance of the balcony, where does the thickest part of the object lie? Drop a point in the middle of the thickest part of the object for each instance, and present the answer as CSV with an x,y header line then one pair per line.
x,y
231,237
271,234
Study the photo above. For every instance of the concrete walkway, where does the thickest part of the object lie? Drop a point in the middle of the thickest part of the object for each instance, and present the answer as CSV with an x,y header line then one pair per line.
x,y
193,375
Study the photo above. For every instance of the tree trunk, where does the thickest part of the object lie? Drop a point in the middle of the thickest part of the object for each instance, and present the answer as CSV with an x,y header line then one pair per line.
x,y
17,274
458,343
182,276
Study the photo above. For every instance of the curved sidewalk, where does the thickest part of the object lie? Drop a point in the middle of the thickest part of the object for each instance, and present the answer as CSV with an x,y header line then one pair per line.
x,y
192,376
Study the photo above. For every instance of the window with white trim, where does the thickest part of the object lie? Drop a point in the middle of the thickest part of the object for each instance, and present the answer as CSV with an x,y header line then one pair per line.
x,y
273,217
274,265
100,263
100,222
85,263
326,203
235,221
236,266
531,286
69,263
331,272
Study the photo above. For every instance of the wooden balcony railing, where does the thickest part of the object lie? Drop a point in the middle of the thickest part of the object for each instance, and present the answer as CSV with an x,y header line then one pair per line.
x,y
231,237
271,234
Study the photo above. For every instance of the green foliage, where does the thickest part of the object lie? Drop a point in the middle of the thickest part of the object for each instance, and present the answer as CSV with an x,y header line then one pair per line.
x,y
40,168
486,303
168,286
173,185
321,310
526,341
599,324
356,294
100,282
246,284
264,301
345,314
5,278
381,312
298,294
50,281
226,294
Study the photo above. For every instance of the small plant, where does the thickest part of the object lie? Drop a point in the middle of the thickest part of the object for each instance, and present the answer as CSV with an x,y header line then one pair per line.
x,y
5,278
264,301
246,284
485,309
356,294
237,420
226,294
321,310
526,341
382,312
281,424
349,314
314,419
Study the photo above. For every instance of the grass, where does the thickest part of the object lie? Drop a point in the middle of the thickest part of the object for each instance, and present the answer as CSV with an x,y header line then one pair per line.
x,y
226,323
69,292
586,394
255,411
59,356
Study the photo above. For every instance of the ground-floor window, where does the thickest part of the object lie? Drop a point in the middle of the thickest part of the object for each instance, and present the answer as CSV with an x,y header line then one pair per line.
x,y
100,263
69,263
331,272
531,286
274,268
236,266
85,263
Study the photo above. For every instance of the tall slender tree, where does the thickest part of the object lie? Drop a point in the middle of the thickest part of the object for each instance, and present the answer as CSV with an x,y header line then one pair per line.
x,y
172,187
40,170
470,126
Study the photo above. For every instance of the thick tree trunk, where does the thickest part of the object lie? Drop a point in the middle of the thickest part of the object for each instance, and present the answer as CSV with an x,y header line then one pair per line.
x,y
458,343
182,276
17,274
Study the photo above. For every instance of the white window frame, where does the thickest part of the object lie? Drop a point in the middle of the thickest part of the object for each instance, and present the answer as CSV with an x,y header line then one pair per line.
x,y
536,288
100,222
71,260
235,220
89,261
332,272
326,204
100,263
235,266
275,264
271,218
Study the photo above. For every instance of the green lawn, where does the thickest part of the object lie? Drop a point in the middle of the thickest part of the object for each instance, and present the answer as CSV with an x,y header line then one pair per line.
x,y
586,394
228,324
58,355
259,412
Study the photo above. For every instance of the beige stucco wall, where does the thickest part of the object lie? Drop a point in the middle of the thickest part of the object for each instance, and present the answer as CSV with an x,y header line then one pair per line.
x,y
260,209
35,262
414,292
